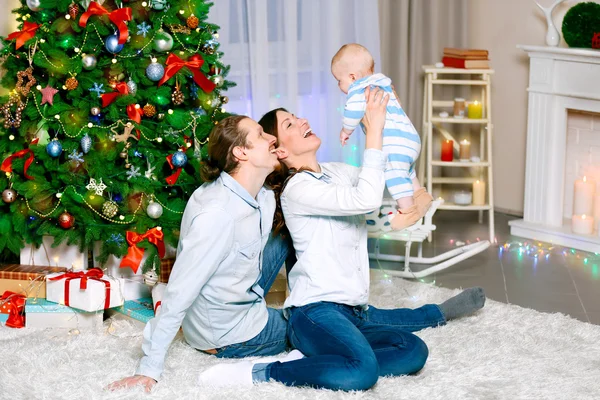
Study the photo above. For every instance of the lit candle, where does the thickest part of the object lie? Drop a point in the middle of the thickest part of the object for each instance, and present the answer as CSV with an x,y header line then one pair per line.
x,y
447,150
475,110
465,150
582,224
583,197
478,193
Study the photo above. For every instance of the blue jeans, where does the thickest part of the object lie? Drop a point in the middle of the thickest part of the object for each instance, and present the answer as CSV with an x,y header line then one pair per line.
x,y
273,338
348,348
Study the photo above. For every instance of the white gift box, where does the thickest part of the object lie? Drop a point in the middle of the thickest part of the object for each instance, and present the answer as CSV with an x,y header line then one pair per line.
x,y
62,256
44,314
91,299
133,283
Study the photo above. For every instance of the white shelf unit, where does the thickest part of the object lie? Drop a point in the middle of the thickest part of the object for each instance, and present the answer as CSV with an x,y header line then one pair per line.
x,y
477,79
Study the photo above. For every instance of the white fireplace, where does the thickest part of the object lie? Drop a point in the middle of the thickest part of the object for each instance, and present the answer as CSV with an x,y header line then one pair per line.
x,y
564,85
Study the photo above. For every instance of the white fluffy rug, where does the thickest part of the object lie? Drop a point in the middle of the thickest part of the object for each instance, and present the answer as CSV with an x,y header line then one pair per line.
x,y
502,352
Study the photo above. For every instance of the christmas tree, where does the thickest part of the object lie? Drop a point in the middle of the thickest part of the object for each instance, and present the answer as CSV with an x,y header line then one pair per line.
x,y
103,131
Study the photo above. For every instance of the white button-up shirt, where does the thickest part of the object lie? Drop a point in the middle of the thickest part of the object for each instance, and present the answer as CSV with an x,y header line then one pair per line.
x,y
212,291
325,213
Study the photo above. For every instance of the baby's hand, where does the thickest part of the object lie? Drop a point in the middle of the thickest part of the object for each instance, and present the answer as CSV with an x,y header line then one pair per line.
x,y
344,136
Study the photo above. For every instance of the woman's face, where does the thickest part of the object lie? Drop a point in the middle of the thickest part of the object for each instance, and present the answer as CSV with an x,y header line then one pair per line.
x,y
295,135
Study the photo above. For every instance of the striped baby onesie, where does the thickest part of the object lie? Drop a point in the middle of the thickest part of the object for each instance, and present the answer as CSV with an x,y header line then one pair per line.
x,y
401,142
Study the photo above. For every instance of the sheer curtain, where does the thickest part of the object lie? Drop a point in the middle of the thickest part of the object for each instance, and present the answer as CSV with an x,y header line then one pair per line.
x,y
280,54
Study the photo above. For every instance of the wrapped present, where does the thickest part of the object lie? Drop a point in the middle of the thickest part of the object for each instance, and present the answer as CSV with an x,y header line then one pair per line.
x,y
12,304
29,280
63,255
42,313
3,319
166,265
85,290
140,311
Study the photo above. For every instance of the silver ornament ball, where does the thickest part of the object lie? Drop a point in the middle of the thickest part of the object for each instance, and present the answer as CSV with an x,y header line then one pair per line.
x,y
179,159
9,195
150,278
163,42
158,4
89,61
34,5
218,80
95,110
154,210
132,87
155,72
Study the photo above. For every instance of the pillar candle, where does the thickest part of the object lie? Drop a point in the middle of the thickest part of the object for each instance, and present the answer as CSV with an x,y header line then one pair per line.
x,y
465,150
478,193
583,197
475,110
447,150
582,224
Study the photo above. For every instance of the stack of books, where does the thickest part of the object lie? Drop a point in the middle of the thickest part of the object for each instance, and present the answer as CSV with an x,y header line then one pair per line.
x,y
465,58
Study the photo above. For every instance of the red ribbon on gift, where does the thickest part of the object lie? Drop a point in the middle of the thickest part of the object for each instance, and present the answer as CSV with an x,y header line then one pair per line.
x,y
15,303
135,254
194,63
25,34
117,17
7,163
135,114
108,98
94,274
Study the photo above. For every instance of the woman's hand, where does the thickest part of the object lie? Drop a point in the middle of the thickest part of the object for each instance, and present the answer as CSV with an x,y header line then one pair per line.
x,y
138,380
374,119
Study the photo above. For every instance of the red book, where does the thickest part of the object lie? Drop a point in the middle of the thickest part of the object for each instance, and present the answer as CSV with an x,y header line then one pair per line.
x,y
467,64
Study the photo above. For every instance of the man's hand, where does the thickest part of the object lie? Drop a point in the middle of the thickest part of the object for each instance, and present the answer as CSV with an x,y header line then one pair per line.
x,y
137,380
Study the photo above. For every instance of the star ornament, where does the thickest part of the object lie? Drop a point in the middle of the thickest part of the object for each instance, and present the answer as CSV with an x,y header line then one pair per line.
x,y
97,187
48,94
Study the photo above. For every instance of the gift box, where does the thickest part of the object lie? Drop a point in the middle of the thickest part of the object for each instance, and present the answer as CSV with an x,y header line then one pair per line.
x,y
12,306
85,290
29,280
42,313
166,266
64,255
3,319
139,311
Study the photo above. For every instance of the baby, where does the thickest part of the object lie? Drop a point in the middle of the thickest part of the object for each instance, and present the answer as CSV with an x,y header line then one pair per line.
x,y
353,66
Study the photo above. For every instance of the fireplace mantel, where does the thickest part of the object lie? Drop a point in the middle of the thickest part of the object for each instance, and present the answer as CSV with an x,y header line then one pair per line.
x,y
560,79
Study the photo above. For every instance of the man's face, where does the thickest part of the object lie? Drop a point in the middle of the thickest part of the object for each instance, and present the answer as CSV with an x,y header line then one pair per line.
x,y
259,146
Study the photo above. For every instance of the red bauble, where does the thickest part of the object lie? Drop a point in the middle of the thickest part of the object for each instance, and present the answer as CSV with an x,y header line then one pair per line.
x,y
66,220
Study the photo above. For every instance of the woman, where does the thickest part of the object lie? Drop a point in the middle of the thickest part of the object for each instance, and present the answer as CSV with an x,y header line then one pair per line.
x,y
348,343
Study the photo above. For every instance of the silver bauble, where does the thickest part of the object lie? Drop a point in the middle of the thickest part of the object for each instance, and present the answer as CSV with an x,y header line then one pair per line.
x,y
155,71
9,195
95,110
86,143
132,87
218,80
154,210
34,5
158,4
150,278
89,61
163,41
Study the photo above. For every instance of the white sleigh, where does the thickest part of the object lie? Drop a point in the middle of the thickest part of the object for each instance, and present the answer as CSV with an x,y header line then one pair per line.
x,y
379,229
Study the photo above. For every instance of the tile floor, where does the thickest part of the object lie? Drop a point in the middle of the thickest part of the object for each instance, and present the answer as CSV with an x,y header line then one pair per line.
x,y
559,283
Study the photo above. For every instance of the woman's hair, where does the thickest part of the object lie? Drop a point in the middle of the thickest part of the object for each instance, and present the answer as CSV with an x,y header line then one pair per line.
x,y
280,177
222,139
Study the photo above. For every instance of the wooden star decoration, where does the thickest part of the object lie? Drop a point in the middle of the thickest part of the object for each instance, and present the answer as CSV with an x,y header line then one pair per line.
x,y
48,94
24,90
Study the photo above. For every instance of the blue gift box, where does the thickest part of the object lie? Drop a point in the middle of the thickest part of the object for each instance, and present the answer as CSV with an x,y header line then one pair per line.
x,y
140,309
3,318
41,313
39,305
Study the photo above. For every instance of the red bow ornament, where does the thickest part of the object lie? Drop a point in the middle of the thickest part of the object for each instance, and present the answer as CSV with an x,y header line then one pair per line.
x,y
135,113
24,35
117,17
7,163
14,304
108,98
135,254
193,64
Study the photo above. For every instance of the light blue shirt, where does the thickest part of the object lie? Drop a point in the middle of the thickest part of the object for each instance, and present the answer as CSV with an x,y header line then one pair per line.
x,y
213,292
325,214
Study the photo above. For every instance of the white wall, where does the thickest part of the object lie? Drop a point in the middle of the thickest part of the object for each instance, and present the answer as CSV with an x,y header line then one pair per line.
x,y
499,26
7,20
